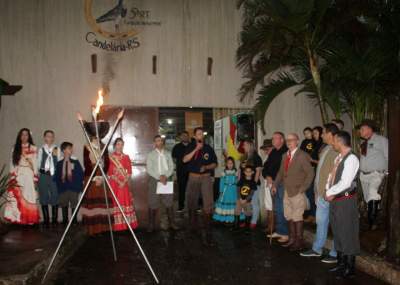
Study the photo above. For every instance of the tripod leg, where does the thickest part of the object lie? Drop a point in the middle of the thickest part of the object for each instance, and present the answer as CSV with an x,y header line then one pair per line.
x,y
83,193
105,191
109,222
129,227
75,212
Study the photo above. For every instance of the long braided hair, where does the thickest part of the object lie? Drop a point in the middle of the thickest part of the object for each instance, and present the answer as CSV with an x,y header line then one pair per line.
x,y
17,151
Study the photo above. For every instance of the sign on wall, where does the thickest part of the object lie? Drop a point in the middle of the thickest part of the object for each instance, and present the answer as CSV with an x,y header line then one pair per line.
x,y
114,27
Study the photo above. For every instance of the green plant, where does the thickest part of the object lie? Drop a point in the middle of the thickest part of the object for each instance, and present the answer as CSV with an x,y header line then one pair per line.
x,y
5,183
280,48
342,54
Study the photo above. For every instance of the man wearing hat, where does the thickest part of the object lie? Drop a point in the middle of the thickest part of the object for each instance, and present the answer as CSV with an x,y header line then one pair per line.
x,y
266,148
373,166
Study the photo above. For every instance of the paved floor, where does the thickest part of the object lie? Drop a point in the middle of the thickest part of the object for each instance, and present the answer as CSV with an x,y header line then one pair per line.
x,y
181,259
24,247
26,250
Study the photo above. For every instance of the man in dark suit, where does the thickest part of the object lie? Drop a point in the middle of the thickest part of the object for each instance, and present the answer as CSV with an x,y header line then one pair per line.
x,y
178,152
297,174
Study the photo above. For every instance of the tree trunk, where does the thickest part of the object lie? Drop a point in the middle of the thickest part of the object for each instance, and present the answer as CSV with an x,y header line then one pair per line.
x,y
317,81
393,197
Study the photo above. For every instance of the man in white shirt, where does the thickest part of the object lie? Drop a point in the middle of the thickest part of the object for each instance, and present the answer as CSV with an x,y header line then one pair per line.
x,y
160,167
48,156
343,209
373,166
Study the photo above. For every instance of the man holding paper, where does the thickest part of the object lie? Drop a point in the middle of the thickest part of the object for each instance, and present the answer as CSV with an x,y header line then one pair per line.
x,y
160,167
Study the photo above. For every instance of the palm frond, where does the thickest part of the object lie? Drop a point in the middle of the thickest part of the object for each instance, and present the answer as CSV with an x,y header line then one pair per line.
x,y
268,93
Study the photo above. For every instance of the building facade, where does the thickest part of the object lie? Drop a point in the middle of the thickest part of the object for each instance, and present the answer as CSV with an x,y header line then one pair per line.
x,y
161,53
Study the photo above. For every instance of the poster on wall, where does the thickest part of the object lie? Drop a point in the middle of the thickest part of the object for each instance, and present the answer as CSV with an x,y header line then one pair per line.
x,y
218,135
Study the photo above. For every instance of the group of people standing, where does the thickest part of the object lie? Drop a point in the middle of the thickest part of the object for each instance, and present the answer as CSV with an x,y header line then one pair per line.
x,y
333,183
318,175
54,177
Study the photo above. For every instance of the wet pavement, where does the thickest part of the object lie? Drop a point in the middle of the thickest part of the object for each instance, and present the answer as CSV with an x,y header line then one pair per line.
x,y
180,258
22,248
25,251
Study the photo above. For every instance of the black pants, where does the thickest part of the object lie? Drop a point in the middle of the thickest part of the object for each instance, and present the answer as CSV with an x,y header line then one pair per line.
x,y
343,216
182,179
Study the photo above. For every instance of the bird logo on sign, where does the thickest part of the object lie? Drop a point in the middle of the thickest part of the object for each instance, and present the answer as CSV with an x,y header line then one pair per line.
x,y
110,24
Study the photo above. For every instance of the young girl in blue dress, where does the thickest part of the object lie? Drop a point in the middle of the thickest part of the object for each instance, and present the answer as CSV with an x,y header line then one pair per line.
x,y
226,203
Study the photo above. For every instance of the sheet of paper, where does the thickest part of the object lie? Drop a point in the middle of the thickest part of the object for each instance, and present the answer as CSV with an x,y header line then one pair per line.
x,y
165,189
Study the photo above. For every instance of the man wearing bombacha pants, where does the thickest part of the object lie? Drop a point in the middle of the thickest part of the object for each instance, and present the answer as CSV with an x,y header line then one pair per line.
x,y
343,209
374,161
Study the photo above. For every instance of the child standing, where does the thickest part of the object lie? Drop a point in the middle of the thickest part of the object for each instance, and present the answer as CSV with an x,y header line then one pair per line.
x,y
69,180
226,203
48,156
246,188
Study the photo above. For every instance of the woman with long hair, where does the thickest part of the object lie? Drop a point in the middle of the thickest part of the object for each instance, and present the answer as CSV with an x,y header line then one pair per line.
x,y
318,144
22,207
94,209
120,172
226,203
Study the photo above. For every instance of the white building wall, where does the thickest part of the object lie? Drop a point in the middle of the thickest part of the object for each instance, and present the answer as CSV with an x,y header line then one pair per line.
x,y
43,48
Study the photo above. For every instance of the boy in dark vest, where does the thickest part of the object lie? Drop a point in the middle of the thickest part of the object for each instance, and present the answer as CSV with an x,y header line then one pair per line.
x,y
48,157
343,208
69,179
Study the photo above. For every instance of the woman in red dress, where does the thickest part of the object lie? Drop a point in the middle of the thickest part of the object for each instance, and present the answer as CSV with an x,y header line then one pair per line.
x,y
119,172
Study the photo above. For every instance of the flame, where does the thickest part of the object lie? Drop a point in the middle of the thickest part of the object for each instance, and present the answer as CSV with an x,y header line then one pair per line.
x,y
99,102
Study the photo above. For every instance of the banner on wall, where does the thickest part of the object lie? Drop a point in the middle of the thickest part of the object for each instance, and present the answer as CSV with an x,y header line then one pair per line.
x,y
115,26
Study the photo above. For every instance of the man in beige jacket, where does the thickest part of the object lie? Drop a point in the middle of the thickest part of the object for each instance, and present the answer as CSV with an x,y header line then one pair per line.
x,y
297,174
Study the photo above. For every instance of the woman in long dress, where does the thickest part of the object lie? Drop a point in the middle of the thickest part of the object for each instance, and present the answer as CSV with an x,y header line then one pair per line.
x,y
22,207
226,203
119,172
94,210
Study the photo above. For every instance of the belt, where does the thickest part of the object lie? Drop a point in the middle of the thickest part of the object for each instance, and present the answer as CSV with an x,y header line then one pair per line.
x,y
345,195
42,171
198,174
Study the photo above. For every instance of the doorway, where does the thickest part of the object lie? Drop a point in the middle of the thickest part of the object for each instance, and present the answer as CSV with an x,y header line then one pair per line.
x,y
137,128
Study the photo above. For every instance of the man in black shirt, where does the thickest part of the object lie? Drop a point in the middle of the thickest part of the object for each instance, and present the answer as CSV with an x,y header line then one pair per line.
x,y
178,152
201,162
270,170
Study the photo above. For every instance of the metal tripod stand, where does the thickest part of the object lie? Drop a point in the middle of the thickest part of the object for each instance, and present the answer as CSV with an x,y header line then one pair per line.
x,y
98,162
